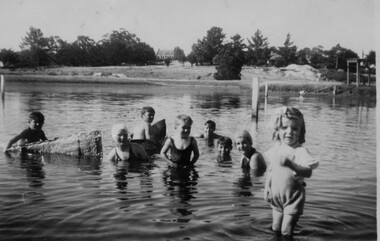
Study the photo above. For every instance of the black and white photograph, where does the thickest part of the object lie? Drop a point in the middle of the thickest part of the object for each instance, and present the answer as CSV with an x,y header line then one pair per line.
x,y
202,120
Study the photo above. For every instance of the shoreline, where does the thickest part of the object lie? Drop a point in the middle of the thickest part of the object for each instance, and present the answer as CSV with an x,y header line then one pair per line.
x,y
179,75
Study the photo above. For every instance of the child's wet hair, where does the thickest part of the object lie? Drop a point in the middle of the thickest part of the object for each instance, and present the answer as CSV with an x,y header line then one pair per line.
x,y
147,109
37,117
225,141
117,127
183,118
211,124
244,134
292,114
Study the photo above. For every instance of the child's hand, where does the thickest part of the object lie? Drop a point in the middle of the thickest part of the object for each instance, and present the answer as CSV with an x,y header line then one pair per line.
x,y
287,162
267,195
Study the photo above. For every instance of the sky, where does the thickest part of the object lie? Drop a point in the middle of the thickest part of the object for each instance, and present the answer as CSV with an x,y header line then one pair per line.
x,y
165,24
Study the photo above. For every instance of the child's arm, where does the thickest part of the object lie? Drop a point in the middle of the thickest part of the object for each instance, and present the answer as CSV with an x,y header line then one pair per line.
x,y
257,162
43,137
147,130
165,148
267,188
14,140
303,171
301,162
111,155
195,152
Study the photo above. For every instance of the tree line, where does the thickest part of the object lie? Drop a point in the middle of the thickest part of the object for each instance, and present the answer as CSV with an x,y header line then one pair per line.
x,y
116,48
230,55
124,48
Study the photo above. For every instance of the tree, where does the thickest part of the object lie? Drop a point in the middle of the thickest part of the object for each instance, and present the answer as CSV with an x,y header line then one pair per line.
x,y
207,48
231,59
288,51
35,45
258,49
192,58
337,57
143,54
9,58
371,57
179,55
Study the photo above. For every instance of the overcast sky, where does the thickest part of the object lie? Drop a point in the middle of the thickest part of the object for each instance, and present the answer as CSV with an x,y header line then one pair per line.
x,y
165,24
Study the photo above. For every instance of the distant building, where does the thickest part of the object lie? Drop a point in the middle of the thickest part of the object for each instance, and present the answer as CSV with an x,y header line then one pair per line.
x,y
163,54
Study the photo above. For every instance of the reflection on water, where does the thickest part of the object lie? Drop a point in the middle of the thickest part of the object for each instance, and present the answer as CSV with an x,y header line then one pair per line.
x,y
55,197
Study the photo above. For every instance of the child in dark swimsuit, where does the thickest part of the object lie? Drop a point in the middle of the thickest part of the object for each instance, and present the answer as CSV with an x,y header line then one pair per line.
x,y
33,133
250,157
124,150
181,144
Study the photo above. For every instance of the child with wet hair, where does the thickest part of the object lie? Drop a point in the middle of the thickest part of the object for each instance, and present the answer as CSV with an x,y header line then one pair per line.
x,y
33,133
209,130
290,164
143,131
250,158
183,148
224,145
124,150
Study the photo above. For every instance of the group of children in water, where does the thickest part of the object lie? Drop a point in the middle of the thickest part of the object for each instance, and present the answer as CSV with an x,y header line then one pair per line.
x,y
289,162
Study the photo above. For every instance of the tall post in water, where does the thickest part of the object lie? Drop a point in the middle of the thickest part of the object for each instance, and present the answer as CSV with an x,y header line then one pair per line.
x,y
2,84
266,98
255,97
2,90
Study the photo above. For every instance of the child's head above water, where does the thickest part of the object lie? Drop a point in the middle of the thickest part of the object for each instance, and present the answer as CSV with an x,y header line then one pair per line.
x,y
183,125
147,109
36,120
243,135
290,116
183,119
119,133
224,145
243,142
210,127
147,113
37,117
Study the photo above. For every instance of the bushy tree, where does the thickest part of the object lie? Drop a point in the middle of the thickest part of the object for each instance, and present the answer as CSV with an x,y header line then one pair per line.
x,y
337,57
288,51
36,46
207,48
371,57
231,59
179,55
192,58
9,58
143,54
258,50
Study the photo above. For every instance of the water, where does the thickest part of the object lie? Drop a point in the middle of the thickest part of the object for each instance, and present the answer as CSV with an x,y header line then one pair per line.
x,y
61,198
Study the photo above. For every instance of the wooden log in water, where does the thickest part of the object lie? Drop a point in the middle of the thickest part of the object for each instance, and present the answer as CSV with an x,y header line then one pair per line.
x,y
82,144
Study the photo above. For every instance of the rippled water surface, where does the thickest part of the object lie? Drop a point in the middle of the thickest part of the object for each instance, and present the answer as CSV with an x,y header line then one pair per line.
x,y
62,198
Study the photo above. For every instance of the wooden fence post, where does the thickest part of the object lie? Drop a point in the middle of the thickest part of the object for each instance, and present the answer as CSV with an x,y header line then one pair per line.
x,y
255,97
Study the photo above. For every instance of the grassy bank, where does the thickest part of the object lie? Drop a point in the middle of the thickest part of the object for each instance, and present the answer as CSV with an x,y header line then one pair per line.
x,y
175,74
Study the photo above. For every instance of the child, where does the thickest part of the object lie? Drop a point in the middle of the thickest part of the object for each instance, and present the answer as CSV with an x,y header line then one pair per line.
x,y
181,144
290,164
33,133
124,150
209,131
144,129
224,146
250,157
